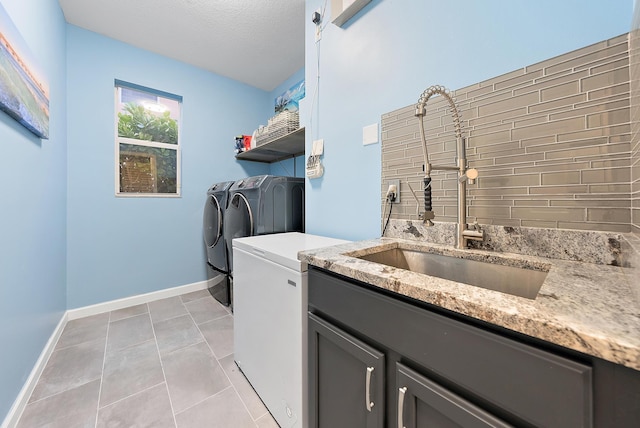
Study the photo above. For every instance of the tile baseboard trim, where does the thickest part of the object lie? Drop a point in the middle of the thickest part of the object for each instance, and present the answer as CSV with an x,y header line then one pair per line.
x,y
139,299
15,413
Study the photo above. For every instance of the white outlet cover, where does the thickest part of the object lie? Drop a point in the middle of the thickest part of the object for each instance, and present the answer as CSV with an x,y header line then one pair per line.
x,y
318,147
370,134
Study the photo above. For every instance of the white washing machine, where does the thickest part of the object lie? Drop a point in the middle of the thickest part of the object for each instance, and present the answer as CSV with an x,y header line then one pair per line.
x,y
270,319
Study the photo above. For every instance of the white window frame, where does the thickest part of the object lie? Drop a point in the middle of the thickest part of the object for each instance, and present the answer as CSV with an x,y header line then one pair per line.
x,y
145,143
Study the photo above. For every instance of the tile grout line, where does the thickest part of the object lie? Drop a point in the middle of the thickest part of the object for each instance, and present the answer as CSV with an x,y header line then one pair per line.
x,y
127,317
104,361
164,376
232,385
119,400
56,349
205,399
106,342
129,347
184,347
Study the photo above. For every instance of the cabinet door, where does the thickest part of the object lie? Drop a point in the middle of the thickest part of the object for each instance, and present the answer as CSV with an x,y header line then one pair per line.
x,y
530,384
346,379
423,403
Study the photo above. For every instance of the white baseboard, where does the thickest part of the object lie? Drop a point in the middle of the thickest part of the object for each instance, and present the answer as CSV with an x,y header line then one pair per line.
x,y
21,401
139,299
19,405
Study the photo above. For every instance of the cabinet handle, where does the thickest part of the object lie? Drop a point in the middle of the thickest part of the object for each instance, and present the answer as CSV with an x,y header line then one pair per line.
x,y
367,393
401,392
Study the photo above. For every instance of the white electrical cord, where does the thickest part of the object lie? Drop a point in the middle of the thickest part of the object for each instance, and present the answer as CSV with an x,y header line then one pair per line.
x,y
317,88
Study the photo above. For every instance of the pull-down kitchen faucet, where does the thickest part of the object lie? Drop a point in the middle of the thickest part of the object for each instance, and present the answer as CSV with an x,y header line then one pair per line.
x,y
464,175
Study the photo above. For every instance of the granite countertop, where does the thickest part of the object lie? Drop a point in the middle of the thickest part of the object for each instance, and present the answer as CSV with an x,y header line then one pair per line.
x,y
590,308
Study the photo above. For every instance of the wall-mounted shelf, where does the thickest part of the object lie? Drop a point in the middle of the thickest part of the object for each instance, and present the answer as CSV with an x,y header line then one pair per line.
x,y
344,10
285,147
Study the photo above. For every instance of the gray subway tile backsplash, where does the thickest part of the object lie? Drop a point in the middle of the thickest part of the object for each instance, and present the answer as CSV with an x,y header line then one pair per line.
x,y
606,175
509,102
548,128
560,90
601,105
554,167
591,203
610,117
549,191
622,88
554,178
608,78
552,142
607,54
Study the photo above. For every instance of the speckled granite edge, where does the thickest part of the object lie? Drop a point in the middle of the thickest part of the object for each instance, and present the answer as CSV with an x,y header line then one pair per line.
x,y
578,245
631,246
586,307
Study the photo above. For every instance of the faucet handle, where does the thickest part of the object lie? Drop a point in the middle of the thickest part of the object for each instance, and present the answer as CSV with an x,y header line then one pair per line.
x,y
469,175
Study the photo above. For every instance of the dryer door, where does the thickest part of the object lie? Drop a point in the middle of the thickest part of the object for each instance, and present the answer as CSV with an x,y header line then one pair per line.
x,y
212,224
238,222
212,221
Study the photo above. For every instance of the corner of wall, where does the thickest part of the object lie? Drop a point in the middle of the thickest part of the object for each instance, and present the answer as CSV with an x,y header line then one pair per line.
x,y
634,104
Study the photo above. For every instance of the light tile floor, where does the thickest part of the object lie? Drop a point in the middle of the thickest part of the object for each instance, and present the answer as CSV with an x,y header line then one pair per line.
x,y
168,363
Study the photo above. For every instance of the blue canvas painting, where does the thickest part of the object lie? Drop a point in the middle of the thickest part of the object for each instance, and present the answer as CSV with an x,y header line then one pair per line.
x,y
24,92
289,99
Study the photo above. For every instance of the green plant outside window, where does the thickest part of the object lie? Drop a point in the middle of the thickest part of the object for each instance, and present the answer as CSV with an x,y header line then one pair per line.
x,y
147,143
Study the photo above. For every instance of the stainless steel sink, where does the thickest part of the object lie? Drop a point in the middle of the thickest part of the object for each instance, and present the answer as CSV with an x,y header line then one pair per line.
x,y
517,281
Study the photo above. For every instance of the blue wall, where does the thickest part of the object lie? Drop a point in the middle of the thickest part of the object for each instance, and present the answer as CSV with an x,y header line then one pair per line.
x,y
119,247
391,51
33,215
67,241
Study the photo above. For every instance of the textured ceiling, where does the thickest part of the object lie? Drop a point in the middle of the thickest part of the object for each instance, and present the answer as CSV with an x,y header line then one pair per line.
x,y
258,42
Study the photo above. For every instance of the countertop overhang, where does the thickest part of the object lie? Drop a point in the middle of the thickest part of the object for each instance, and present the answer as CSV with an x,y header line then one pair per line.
x,y
585,307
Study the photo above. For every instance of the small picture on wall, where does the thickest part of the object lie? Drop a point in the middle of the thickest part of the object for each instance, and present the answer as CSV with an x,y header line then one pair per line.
x,y
24,91
289,99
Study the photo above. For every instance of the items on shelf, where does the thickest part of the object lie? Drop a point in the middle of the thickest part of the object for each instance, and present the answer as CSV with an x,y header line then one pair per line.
x,y
279,125
243,143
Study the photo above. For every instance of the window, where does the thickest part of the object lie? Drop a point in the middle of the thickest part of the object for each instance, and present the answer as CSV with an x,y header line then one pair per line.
x,y
147,141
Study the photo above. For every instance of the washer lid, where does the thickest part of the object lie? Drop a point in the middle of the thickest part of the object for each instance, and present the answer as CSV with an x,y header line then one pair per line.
x,y
283,248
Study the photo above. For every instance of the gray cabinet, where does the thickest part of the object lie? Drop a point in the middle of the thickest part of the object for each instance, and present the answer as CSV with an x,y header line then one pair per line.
x,y
422,403
347,379
458,371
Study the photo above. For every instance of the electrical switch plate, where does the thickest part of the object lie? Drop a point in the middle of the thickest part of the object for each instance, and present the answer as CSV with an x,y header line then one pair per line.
x,y
397,184
318,147
370,134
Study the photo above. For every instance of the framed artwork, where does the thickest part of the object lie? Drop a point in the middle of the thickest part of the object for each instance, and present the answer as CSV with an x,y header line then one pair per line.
x,y
24,90
288,100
